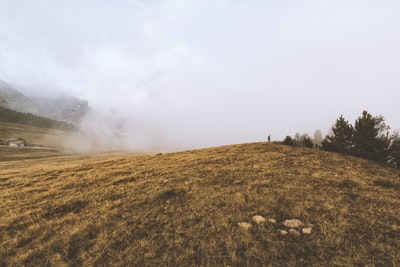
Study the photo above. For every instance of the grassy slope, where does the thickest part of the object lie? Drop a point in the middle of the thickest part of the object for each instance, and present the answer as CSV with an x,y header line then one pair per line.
x,y
32,134
183,209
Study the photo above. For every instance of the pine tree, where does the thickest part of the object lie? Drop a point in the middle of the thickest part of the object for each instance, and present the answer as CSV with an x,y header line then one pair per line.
x,y
341,138
394,150
371,137
306,141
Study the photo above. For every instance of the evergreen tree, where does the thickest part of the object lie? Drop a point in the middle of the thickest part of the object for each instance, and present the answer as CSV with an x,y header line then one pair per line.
x,y
288,141
394,150
371,137
341,138
307,141
12,116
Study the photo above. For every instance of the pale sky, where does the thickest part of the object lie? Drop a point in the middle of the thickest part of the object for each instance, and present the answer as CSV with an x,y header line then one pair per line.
x,y
210,72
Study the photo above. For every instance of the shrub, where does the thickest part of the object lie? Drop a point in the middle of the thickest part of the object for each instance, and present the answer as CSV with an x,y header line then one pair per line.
x,y
288,141
299,141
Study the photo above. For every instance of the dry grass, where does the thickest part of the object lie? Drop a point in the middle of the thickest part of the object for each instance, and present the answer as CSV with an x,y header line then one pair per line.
x,y
33,135
183,209
20,153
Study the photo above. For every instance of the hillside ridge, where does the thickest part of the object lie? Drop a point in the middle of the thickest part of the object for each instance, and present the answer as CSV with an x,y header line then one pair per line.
x,y
67,109
12,116
188,208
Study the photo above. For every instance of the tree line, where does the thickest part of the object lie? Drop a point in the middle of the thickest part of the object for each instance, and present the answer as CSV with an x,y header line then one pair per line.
x,y
370,137
12,116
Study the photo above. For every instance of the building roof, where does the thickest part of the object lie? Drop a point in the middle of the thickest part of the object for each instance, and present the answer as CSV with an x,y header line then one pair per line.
x,y
15,139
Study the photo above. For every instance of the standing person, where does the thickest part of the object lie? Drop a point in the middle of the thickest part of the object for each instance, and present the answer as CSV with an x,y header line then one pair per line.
x,y
269,138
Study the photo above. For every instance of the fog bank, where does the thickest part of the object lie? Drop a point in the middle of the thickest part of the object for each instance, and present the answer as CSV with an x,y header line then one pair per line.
x,y
188,74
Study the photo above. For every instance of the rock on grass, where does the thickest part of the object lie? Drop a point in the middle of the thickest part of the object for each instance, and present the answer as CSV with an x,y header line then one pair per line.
x,y
259,219
293,223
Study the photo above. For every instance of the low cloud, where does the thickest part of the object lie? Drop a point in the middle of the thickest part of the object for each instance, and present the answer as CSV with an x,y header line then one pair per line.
x,y
202,73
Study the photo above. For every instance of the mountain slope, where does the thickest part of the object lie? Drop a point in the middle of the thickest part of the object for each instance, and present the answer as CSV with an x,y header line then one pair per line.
x,y
66,109
12,116
184,209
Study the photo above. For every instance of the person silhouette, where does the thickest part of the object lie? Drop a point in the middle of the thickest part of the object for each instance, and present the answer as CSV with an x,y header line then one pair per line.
x,y
269,138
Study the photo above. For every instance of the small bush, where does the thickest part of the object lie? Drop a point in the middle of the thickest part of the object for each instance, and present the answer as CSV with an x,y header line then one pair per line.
x,y
299,141
288,141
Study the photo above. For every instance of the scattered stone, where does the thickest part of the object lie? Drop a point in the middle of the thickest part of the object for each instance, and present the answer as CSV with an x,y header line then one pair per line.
x,y
294,232
307,231
283,232
259,219
293,223
272,221
245,225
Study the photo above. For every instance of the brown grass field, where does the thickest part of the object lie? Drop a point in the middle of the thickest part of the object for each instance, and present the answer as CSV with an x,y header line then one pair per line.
x,y
183,209
34,135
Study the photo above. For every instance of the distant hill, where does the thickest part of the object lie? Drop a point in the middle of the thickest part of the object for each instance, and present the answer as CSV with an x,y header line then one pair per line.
x,y
199,208
67,109
3,103
12,116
